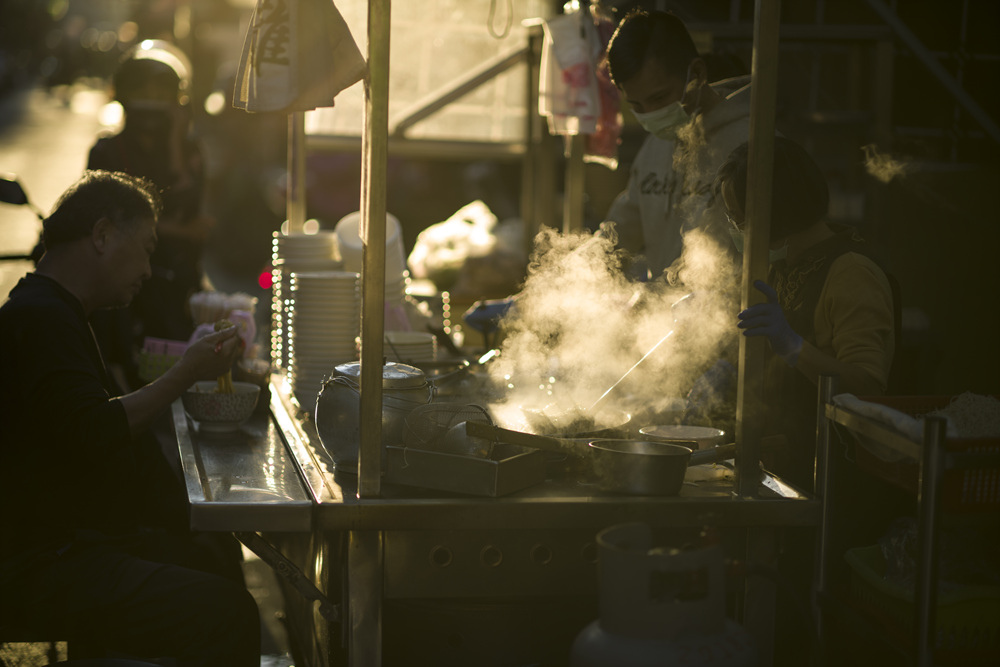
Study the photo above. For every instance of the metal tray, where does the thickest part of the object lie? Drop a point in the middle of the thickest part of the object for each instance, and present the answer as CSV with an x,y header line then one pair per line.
x,y
511,469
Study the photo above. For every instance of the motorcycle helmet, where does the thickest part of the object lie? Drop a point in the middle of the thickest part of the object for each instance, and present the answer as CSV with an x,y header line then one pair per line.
x,y
153,71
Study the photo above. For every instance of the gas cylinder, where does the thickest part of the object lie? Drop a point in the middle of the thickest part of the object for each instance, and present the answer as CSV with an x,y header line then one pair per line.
x,y
661,606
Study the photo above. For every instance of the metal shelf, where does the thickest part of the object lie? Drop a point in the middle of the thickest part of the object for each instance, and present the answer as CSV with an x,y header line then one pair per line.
x,y
934,458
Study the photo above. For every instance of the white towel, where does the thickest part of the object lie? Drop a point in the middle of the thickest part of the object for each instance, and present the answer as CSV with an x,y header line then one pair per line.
x,y
911,427
297,55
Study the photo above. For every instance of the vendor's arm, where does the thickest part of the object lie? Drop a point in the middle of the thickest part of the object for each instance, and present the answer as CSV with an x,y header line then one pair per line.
x,y
624,213
854,327
205,359
854,320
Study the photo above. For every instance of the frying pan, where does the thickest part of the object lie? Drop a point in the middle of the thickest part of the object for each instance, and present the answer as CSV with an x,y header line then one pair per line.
x,y
632,467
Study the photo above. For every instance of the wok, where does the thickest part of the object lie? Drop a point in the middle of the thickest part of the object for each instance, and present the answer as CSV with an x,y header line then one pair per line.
x,y
632,467
578,423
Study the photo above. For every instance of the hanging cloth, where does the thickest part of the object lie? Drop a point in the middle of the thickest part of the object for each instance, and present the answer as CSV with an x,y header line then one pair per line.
x,y
297,55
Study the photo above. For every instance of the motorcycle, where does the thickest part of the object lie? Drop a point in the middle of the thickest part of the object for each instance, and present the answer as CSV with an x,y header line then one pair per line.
x,y
12,192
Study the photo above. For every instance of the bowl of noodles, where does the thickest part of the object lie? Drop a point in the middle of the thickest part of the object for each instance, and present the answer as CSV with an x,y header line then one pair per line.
x,y
220,407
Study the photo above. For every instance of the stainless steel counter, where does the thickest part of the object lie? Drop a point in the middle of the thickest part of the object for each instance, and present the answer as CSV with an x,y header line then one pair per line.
x,y
273,476
246,480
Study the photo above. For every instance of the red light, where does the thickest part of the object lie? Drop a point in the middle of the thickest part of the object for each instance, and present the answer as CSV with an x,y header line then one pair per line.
x,y
264,279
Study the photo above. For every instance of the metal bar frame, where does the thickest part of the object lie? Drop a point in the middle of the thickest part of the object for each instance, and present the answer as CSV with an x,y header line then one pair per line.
x,y
437,100
763,98
760,595
931,470
574,184
425,148
944,77
365,547
821,484
296,207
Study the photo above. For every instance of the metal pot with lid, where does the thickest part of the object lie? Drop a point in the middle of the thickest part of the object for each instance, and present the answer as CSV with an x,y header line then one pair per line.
x,y
338,408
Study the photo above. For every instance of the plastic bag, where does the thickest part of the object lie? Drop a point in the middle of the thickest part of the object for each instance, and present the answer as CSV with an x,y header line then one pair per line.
x,y
441,250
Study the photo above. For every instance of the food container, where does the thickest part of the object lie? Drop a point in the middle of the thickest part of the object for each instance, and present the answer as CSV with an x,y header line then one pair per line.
x,y
218,412
338,408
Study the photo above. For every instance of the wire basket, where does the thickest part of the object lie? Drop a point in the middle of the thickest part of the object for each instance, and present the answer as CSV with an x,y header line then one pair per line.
x,y
428,424
974,490
967,619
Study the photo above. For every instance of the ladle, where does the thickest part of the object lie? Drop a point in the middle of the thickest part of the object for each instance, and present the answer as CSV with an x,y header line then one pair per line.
x,y
678,308
538,417
627,373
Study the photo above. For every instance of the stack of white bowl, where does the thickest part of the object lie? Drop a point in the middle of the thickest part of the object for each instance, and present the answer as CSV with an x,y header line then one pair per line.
x,y
351,250
290,253
324,319
409,347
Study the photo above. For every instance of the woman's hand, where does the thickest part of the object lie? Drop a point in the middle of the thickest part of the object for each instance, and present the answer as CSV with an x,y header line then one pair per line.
x,y
768,319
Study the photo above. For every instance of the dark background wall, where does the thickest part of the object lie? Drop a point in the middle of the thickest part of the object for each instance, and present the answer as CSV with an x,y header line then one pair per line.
x,y
854,84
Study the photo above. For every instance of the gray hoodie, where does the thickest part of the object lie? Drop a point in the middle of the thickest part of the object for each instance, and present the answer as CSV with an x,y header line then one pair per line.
x,y
670,186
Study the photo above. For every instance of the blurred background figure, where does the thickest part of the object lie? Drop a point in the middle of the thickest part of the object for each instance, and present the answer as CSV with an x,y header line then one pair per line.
x,y
152,84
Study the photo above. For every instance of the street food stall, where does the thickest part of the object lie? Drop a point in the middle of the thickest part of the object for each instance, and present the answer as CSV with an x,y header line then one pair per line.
x,y
394,552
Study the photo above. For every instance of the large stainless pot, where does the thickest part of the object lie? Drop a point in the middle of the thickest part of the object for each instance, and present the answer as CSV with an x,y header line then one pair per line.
x,y
647,468
338,408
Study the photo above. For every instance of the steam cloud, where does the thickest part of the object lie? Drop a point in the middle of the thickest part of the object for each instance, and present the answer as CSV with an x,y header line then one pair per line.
x,y
883,166
579,324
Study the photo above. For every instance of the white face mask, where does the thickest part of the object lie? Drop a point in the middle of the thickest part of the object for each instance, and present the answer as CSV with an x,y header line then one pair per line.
x,y
665,122
773,256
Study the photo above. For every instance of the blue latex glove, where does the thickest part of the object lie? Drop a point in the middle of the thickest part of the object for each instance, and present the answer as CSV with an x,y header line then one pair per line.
x,y
485,316
767,319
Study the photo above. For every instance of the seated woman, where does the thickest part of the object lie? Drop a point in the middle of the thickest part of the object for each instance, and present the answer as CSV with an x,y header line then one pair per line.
x,y
829,308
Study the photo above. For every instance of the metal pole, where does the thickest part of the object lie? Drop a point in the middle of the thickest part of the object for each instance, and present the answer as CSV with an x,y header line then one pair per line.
x,y
373,220
749,410
532,140
574,190
296,207
760,595
364,560
365,549
931,470
821,484
759,600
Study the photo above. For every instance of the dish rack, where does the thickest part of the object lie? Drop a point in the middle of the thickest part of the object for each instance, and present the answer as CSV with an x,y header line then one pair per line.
x,y
957,475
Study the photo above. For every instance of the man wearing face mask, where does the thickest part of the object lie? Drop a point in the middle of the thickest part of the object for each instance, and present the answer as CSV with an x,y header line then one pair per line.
x,y
693,126
152,84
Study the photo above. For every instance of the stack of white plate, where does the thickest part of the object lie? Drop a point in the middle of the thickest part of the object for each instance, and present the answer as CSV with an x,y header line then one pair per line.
x,y
409,347
395,290
352,249
324,318
290,253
